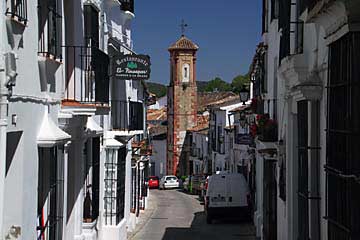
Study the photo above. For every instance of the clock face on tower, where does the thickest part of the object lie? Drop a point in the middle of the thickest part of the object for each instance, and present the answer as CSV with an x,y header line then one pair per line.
x,y
185,72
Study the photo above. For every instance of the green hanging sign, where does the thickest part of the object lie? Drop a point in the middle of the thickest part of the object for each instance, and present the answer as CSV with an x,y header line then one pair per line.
x,y
131,67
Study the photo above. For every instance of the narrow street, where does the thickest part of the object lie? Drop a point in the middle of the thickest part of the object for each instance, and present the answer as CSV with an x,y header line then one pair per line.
x,y
180,216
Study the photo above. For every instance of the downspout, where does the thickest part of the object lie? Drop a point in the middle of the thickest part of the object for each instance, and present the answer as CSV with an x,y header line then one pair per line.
x,y
3,114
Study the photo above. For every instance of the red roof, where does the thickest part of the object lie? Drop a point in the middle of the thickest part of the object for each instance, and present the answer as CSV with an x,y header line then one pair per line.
x,y
183,44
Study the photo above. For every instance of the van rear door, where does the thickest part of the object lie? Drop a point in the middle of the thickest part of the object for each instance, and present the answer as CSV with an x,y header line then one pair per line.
x,y
217,191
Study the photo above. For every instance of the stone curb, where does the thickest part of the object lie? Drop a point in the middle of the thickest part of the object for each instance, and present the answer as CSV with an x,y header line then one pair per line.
x,y
144,217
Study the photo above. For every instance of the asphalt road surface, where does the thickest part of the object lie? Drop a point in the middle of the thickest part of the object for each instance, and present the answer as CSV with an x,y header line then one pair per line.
x,y
180,216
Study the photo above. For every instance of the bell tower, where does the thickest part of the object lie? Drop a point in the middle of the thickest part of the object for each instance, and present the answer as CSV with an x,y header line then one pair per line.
x,y
182,104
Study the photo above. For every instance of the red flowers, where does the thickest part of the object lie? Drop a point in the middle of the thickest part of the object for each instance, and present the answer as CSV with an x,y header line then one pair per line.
x,y
265,127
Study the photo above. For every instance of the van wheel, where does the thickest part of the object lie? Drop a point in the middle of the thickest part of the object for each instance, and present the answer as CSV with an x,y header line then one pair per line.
x,y
208,219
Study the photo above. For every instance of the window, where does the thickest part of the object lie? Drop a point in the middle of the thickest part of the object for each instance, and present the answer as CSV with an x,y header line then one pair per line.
x,y
50,193
343,128
298,29
92,171
91,26
186,73
133,189
120,189
274,9
136,118
303,203
50,28
282,178
114,186
220,137
127,5
284,26
17,9
110,187
265,25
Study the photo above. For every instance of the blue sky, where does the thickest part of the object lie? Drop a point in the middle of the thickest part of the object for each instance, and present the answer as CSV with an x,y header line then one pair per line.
x,y
227,32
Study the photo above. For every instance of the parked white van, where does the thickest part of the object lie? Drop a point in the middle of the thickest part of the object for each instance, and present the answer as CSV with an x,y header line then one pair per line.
x,y
227,194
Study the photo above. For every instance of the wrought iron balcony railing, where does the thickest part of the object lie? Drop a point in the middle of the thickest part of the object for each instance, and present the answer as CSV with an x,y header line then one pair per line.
x,y
127,115
50,32
87,75
17,9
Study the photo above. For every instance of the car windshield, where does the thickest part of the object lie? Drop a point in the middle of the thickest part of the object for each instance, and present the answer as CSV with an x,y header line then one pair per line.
x,y
171,178
153,178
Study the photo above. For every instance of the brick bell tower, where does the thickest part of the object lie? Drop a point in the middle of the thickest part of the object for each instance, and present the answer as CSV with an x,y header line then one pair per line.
x,y
182,104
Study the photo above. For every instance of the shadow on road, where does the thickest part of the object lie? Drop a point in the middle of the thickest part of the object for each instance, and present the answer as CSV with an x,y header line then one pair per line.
x,y
191,194
221,229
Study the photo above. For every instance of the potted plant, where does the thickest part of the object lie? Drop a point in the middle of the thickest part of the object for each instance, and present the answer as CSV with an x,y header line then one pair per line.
x,y
266,128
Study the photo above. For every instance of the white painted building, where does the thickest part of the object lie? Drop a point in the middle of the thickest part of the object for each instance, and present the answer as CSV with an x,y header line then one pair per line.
x,y
160,103
158,157
199,150
305,76
68,132
221,139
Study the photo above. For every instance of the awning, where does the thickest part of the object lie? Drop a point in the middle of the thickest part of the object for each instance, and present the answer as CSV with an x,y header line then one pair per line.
x,y
93,127
50,134
112,143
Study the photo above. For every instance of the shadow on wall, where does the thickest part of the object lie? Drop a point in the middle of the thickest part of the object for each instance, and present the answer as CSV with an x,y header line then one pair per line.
x,y
228,229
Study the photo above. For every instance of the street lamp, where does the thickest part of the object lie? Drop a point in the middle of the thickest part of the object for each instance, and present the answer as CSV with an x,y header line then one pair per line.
x,y
244,95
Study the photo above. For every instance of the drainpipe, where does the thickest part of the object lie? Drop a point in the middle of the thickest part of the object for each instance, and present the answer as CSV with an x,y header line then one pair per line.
x,y
3,114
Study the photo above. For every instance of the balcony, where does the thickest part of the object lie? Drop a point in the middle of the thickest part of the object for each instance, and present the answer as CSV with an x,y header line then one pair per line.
x,y
127,5
87,77
17,9
127,115
50,23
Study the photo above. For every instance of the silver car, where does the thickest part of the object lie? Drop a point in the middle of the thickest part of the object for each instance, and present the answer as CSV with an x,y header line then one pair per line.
x,y
169,181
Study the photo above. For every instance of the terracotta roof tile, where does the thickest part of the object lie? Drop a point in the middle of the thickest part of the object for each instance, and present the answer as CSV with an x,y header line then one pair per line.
x,y
157,114
183,44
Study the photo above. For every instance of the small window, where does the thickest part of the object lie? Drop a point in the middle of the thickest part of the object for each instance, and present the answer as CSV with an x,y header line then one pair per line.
x,y
186,73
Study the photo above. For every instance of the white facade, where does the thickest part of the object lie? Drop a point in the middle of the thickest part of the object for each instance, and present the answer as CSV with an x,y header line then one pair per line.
x,y
298,51
60,138
199,151
158,157
160,103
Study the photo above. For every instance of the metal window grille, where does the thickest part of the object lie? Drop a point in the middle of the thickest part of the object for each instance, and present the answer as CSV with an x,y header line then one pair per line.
x,y
87,75
92,171
18,9
303,203
297,29
343,128
50,194
110,187
120,189
50,29
133,189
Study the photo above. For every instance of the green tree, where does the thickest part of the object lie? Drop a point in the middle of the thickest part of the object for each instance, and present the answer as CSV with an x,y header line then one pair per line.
x,y
239,82
217,84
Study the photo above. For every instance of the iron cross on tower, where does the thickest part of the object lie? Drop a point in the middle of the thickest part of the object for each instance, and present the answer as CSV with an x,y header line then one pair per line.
x,y
183,25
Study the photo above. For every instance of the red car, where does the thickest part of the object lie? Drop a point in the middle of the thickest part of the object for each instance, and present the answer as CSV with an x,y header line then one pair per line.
x,y
153,182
